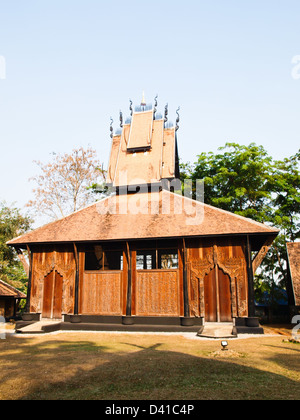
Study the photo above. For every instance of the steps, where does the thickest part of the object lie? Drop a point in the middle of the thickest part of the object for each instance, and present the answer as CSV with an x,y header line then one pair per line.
x,y
217,330
40,327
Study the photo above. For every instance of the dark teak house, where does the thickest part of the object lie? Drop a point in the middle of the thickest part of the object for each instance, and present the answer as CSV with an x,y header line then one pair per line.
x,y
9,300
145,257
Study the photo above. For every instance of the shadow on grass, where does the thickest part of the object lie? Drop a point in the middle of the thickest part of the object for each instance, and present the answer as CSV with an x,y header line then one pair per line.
x,y
60,370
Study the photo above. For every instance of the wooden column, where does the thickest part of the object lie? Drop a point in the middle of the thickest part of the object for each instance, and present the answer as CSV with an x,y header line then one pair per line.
x,y
129,281
251,303
217,293
76,297
185,283
29,280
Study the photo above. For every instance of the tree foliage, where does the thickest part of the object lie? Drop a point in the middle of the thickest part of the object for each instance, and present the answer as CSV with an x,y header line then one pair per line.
x,y
63,186
236,180
12,224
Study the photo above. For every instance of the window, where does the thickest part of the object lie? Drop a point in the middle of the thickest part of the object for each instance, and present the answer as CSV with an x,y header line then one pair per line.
x,y
146,260
113,260
167,259
162,259
94,259
103,259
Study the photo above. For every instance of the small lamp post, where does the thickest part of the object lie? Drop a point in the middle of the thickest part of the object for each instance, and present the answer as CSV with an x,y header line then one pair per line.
x,y
224,345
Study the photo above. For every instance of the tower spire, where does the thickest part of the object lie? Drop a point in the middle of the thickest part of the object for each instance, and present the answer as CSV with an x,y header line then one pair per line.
x,y
143,103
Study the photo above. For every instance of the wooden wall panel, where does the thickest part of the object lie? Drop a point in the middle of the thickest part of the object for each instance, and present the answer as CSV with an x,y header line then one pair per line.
x,y
181,267
102,293
157,293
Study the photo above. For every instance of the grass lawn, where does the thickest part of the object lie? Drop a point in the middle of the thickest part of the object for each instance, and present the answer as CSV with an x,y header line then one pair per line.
x,y
110,366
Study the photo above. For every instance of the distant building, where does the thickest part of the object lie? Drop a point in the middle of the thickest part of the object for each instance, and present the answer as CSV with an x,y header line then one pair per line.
x,y
9,300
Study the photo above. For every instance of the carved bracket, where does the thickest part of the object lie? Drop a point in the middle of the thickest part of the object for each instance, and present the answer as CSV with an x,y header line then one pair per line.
x,y
260,256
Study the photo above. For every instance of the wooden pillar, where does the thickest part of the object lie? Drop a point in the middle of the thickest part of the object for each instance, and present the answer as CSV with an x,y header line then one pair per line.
x,y
129,282
217,285
76,296
185,283
29,280
251,303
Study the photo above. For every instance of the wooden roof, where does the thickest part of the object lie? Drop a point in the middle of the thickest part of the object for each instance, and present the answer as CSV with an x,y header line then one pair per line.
x,y
143,216
141,129
294,265
6,290
145,152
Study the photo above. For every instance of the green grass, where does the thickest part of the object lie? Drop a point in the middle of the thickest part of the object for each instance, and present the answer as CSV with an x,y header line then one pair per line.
x,y
146,367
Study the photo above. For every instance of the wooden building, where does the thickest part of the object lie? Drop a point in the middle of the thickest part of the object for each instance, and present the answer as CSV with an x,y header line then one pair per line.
x,y
145,255
9,300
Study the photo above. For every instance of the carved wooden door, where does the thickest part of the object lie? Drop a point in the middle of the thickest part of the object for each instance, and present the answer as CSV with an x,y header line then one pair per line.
x,y
217,295
53,291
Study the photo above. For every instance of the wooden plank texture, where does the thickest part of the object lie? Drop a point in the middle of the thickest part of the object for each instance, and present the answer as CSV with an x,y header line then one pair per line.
x,y
102,293
157,293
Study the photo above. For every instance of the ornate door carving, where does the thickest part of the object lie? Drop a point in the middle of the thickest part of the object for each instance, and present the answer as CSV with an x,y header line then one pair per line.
x,y
44,264
234,267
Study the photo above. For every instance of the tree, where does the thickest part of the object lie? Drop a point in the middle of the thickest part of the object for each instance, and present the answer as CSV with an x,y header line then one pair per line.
x,y
285,186
12,224
236,180
284,183
63,187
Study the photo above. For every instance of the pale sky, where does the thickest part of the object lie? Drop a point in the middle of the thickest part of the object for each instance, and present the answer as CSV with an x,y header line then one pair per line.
x,y
230,65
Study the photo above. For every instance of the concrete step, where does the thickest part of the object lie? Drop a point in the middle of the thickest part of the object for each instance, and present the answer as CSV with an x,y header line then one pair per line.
x,y
217,330
127,328
40,327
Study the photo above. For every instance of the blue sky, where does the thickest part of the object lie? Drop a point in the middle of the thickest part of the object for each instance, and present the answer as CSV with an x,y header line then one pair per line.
x,y
71,64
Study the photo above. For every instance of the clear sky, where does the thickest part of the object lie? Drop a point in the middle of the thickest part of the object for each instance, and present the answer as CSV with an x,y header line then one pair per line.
x,y
71,64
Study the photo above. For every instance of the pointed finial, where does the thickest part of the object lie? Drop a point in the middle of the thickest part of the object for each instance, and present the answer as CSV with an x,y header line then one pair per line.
x,y
111,128
155,105
143,103
178,119
166,113
121,119
130,107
